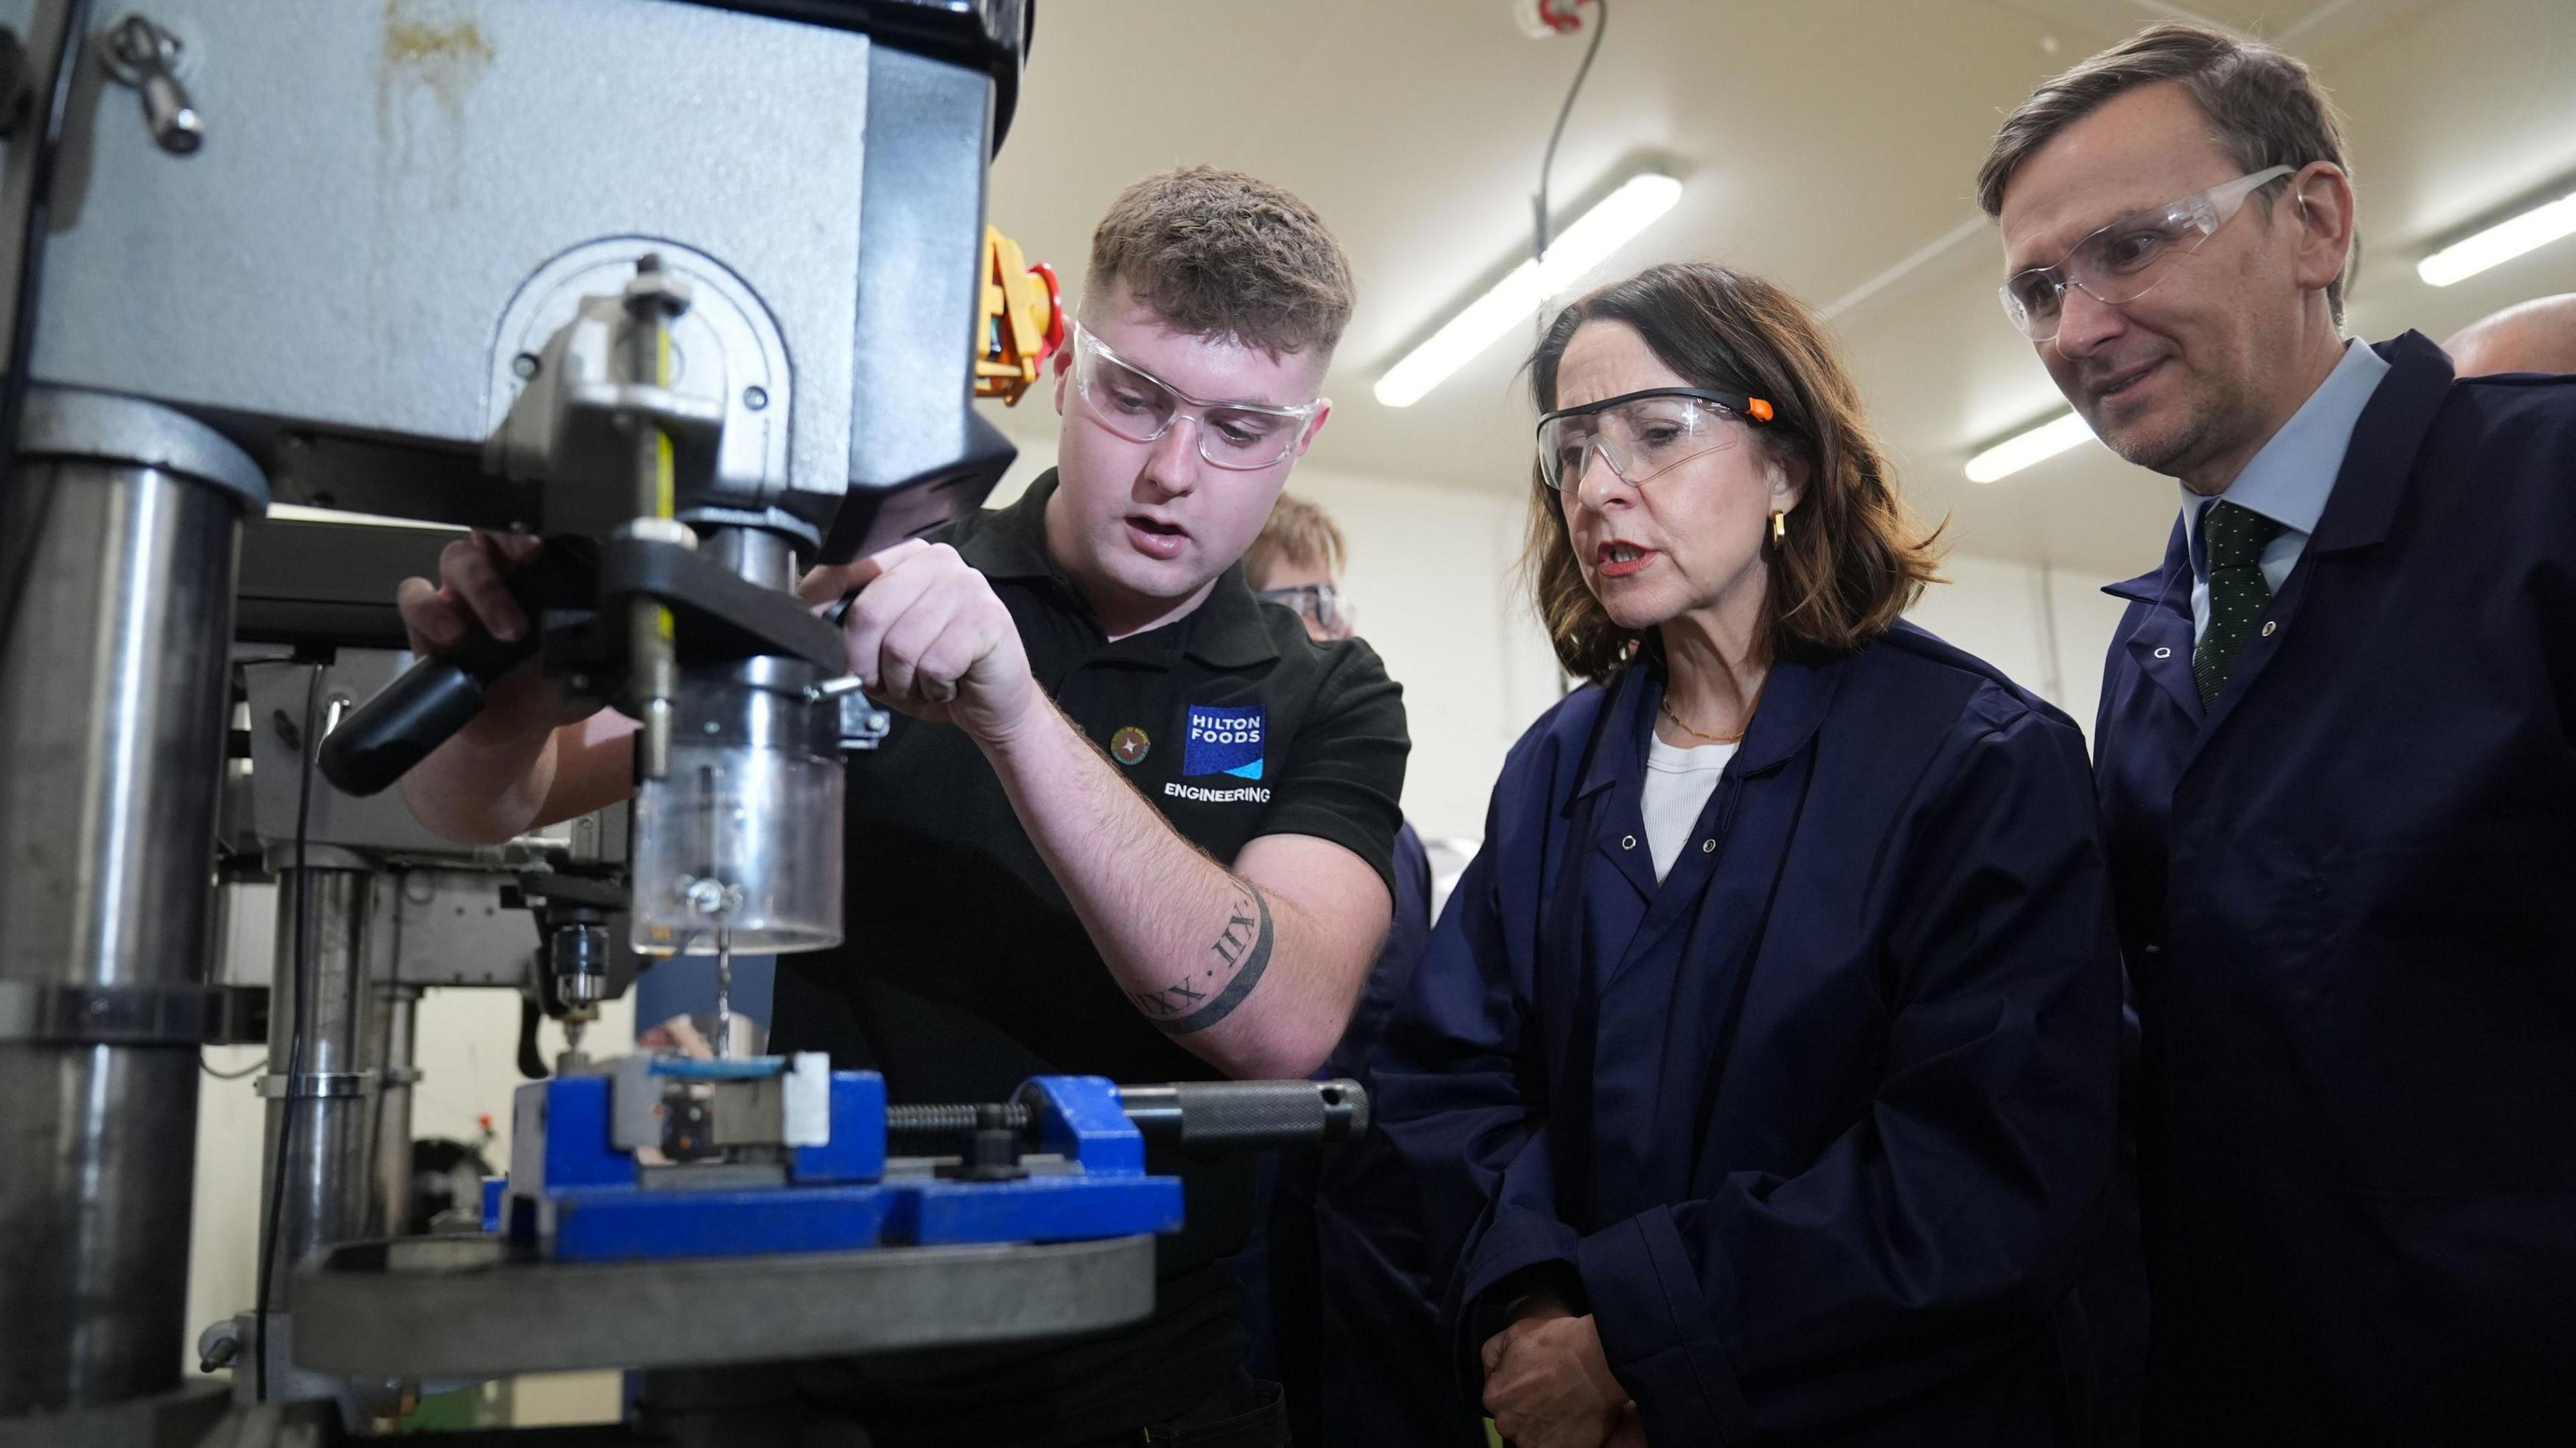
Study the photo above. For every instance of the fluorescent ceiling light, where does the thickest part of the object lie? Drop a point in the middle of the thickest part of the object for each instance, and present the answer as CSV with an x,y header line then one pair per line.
x,y
1576,250
2023,449
2500,243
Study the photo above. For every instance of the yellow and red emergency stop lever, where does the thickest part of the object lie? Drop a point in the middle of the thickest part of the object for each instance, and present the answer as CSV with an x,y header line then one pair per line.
x,y
1023,320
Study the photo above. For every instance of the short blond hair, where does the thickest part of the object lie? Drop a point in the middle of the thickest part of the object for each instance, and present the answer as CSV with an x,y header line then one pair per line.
x,y
1222,254
1298,532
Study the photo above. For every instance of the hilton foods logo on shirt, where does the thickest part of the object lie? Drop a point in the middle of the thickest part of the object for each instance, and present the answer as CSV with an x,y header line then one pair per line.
x,y
1224,742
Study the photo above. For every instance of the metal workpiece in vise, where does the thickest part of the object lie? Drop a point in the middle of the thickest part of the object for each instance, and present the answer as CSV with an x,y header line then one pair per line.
x,y
664,1156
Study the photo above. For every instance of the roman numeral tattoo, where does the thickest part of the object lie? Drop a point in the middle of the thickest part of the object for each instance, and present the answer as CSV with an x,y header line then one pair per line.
x,y
1232,967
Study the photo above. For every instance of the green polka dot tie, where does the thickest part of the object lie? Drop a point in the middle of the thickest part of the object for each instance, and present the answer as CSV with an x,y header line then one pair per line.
x,y
2234,537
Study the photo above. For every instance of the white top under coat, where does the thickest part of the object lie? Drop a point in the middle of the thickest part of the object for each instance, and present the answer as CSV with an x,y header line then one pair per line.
x,y
1678,784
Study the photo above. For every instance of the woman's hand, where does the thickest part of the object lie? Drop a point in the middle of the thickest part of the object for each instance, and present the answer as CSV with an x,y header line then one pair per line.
x,y
1549,1385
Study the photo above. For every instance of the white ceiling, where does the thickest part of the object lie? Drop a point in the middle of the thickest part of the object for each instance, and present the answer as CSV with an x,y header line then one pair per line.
x,y
1830,145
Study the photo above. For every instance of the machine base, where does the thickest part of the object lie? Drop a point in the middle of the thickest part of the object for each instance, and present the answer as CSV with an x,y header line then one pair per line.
x,y
173,1420
461,1307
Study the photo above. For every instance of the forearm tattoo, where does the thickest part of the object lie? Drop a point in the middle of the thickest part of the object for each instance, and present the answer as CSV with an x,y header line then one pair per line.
x,y
1229,971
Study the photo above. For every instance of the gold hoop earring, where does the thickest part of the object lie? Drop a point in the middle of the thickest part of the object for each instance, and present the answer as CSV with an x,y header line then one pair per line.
x,y
1779,529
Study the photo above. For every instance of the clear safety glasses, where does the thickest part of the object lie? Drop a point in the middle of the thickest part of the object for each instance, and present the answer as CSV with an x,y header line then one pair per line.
x,y
1320,603
1641,434
2130,257
1140,407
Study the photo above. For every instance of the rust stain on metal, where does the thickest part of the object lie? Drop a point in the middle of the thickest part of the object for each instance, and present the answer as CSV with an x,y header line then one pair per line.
x,y
428,50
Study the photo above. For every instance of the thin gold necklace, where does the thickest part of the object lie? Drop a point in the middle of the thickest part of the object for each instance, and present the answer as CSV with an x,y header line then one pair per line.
x,y
1735,738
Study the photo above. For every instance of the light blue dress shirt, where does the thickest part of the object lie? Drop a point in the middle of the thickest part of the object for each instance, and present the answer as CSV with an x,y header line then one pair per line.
x,y
2291,478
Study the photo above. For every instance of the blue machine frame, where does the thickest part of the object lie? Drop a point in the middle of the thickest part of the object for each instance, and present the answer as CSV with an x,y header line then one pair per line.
x,y
576,1195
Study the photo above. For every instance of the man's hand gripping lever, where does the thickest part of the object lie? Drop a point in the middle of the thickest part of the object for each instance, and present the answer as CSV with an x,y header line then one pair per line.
x,y
471,629
925,634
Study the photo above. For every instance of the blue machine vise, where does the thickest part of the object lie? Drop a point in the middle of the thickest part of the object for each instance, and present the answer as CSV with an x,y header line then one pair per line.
x,y
668,1156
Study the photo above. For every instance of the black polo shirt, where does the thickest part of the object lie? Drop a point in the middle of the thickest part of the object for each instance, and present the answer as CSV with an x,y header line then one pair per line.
x,y
966,970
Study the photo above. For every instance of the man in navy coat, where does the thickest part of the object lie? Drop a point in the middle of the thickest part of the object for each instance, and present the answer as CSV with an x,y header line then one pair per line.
x,y
2336,760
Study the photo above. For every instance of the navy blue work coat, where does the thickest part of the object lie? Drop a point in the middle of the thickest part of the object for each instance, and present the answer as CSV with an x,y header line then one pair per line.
x,y
1821,1129
2347,896
1335,1280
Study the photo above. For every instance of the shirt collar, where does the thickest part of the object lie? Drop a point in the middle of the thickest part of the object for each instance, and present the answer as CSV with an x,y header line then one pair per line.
x,y
2290,479
1226,631
2167,581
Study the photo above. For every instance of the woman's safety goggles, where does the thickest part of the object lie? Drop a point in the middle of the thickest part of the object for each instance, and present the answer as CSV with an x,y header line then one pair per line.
x,y
1140,407
1641,434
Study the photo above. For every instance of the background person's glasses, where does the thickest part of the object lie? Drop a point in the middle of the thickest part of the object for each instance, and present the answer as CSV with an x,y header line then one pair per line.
x,y
1320,603
1140,407
2127,259
1641,433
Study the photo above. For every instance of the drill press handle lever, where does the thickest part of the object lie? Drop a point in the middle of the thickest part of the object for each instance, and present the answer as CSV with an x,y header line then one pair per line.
x,y
1248,1115
1206,1116
384,737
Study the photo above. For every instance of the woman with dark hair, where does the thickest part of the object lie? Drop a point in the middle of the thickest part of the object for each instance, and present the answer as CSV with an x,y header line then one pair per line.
x,y
1760,1077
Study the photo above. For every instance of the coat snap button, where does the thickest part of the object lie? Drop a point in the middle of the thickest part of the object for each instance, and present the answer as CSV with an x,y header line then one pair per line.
x,y
1627,842
2164,653
1708,847
2268,627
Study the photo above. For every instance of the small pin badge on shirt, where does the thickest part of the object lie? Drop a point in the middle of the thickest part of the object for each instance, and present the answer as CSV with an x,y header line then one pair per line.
x,y
1128,745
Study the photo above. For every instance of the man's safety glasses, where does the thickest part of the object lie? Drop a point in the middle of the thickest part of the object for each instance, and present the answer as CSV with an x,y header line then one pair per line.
x,y
1140,407
2130,257
1641,434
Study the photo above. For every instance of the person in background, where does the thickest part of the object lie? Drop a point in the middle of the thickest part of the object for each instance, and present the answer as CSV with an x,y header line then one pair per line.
x,y
1334,1280
1783,1107
2336,765
1296,562
2537,336
1130,821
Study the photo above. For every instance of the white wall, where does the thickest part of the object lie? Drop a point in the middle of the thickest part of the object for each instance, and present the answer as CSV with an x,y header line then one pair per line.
x,y
2046,627
1433,572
